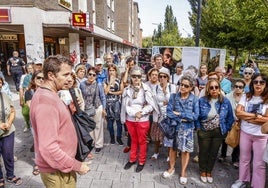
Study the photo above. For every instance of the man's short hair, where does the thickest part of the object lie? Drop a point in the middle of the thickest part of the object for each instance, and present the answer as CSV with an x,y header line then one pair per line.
x,y
158,55
53,63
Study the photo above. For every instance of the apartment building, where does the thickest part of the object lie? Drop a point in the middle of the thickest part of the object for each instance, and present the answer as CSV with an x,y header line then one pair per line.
x,y
39,28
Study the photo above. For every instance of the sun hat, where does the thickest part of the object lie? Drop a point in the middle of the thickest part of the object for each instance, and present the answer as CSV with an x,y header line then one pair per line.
x,y
98,61
164,71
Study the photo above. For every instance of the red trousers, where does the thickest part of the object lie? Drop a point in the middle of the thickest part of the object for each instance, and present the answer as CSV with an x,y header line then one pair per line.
x,y
138,132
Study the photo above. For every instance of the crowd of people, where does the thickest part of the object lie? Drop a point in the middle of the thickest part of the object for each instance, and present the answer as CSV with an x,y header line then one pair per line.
x,y
201,104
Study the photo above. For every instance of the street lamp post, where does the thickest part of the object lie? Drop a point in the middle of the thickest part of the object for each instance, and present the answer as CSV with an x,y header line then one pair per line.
x,y
198,22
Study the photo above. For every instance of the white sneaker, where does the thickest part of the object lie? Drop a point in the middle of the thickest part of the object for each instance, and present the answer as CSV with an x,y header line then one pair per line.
x,y
203,179
210,179
239,184
155,156
183,180
166,174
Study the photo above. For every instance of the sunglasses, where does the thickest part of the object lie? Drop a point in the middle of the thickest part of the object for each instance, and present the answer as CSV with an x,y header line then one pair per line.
x,y
162,76
90,74
261,82
136,76
239,87
40,78
184,85
249,73
213,87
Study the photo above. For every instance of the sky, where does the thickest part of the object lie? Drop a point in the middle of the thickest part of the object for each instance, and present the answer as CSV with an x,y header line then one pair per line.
x,y
153,11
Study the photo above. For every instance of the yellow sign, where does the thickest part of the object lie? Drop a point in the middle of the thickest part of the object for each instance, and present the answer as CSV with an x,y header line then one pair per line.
x,y
8,37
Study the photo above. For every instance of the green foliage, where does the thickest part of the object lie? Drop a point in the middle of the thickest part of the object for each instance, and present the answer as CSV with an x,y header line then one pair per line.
x,y
168,34
147,42
233,24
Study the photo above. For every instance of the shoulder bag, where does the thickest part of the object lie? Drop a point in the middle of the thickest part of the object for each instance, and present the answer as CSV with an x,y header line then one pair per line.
x,y
168,125
83,125
233,136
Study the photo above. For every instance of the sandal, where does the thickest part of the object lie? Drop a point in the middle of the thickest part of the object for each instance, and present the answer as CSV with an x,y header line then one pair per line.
x,y
2,183
14,180
36,170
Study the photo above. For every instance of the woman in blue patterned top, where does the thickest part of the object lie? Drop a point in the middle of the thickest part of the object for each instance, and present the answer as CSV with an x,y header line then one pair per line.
x,y
183,108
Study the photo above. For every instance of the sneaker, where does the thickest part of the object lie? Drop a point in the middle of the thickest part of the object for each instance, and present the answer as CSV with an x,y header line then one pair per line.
x,y
155,156
221,159
139,168
129,165
203,177
112,142
196,159
209,178
183,180
166,174
119,141
239,184
97,150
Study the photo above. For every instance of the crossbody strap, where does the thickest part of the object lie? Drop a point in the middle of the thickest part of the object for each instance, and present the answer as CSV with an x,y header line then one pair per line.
x,y
3,108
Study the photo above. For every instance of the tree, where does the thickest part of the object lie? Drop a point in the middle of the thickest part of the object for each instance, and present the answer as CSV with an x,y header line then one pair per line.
x,y
233,24
168,34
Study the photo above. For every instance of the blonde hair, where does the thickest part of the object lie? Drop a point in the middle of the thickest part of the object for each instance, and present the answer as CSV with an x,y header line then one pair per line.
x,y
207,90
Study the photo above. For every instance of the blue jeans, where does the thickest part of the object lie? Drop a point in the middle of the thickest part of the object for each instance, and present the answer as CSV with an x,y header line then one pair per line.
x,y
7,152
110,124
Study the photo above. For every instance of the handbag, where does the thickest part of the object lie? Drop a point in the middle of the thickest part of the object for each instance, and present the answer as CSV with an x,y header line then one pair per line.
x,y
168,125
233,136
83,125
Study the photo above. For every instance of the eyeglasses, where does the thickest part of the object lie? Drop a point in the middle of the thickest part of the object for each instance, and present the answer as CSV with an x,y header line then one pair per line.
x,y
240,87
249,73
162,76
213,87
184,85
40,78
90,74
261,82
136,76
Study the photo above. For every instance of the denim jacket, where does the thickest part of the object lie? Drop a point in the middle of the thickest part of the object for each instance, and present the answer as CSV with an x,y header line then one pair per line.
x,y
188,109
225,112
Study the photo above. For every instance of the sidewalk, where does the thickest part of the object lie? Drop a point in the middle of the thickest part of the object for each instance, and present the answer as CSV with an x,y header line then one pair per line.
x,y
107,167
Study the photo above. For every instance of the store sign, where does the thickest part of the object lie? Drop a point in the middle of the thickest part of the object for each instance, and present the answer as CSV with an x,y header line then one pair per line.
x,y
5,15
8,37
66,4
79,19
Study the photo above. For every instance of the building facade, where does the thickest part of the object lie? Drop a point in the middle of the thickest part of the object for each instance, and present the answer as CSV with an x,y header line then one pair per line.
x,y
39,28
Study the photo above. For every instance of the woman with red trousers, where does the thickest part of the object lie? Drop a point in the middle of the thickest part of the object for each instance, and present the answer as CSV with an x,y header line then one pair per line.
x,y
137,104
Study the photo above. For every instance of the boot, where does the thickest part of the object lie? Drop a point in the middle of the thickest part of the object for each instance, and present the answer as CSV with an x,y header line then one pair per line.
x,y
112,140
119,141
